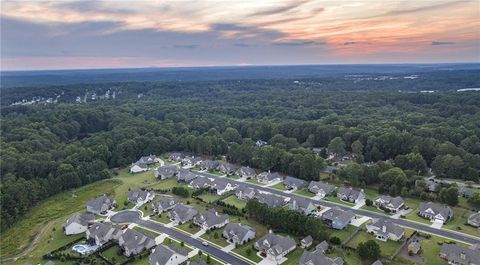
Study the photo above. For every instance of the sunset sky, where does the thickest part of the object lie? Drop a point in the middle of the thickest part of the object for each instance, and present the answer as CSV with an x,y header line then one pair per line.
x,y
39,35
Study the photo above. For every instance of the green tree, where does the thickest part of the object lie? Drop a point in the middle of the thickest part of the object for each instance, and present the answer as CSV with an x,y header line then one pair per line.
x,y
369,250
337,146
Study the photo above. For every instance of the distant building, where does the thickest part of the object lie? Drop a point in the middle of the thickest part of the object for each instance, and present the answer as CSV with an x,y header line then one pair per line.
x,y
321,189
246,172
456,254
181,213
474,219
210,219
166,172
292,183
260,143
133,242
306,242
267,177
337,218
101,205
164,205
350,194
302,205
168,255
140,197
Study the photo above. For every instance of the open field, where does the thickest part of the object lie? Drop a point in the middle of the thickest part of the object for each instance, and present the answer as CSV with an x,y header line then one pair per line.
x,y
387,248
112,254
232,200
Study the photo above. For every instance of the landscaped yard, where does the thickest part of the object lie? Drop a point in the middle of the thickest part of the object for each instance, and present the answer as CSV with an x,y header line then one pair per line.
x,y
204,258
431,249
233,200
218,239
374,209
163,218
255,181
304,192
349,256
387,248
209,197
337,200
458,222
279,186
234,176
112,254
242,250
294,257
414,217
189,227
343,234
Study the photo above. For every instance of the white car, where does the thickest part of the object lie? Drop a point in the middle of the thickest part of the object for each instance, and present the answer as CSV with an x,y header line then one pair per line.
x,y
205,243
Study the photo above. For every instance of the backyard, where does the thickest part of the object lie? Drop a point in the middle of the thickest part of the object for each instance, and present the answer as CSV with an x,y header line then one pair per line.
x,y
233,200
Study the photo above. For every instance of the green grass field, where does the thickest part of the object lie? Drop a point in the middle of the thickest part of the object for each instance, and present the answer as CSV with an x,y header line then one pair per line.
x,y
279,186
255,181
111,254
219,240
189,227
343,234
163,218
242,250
387,248
209,197
431,249
458,222
304,192
337,200
232,200
293,257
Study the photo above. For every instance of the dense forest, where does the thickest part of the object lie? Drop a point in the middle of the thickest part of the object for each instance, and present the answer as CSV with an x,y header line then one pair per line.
x,y
47,149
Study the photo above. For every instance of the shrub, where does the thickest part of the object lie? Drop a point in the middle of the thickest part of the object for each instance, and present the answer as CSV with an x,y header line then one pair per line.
x,y
335,240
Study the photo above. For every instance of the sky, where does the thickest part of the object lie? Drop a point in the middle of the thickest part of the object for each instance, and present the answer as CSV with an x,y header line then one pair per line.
x,y
40,35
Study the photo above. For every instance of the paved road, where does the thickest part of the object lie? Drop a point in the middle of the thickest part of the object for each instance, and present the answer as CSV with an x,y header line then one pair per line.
x,y
402,222
134,217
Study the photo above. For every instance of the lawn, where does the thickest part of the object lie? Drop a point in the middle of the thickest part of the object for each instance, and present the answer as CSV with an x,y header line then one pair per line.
x,y
189,227
232,200
147,232
242,250
111,254
209,197
219,240
304,192
163,218
166,184
234,177
204,258
412,203
414,217
337,200
431,248
370,193
50,214
460,216
293,257
349,256
387,248
374,209
255,181
178,244
279,186
343,234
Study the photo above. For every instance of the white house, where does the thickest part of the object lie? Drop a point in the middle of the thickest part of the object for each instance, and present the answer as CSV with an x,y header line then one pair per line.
x,y
77,223
385,230
138,167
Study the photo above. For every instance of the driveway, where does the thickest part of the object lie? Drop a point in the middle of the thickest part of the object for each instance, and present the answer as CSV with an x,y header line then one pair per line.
x,y
134,217
358,222
359,204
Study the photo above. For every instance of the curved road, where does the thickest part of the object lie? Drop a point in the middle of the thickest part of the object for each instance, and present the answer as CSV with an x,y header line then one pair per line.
x,y
134,217
402,222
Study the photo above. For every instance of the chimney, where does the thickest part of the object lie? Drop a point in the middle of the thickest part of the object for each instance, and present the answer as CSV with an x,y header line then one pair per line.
x,y
384,228
136,237
463,256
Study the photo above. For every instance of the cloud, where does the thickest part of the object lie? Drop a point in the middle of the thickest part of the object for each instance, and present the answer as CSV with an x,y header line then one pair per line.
x,y
434,43
298,43
239,31
355,42
243,45
186,46
278,10
427,8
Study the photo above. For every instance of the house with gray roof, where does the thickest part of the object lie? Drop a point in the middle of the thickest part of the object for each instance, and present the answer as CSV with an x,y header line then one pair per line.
x,y
384,230
275,247
176,156
78,223
435,212
292,183
101,205
166,172
246,172
191,161
302,205
138,167
329,169
201,182
306,241
209,165
459,255
388,203
377,262
148,160
227,168
321,189
164,205
222,186
318,257
133,242
101,233
337,218
210,219
181,213
268,177
167,255
140,197
185,176
350,194
272,201
414,247
245,193
238,233
430,185
474,220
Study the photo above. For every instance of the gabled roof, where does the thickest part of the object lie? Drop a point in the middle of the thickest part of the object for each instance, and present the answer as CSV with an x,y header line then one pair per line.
x,y
395,201
275,244
316,186
377,262
184,212
227,167
99,202
317,257
135,239
294,182
338,214
269,176
349,192
445,211
165,203
237,229
162,254
270,200
209,164
390,227
246,171
299,203
140,164
307,240
454,253
201,182
221,184
211,218
101,230
84,220
134,195
167,171
474,218
185,175
148,159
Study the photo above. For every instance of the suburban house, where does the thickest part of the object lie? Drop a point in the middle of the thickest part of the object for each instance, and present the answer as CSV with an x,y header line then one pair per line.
x,y
267,177
246,172
101,233
165,204
190,161
274,246
166,172
134,242
321,189
389,204
271,200
430,185
317,256
148,160
222,186
474,219
456,254
78,223
209,165
101,205
200,183
435,212
140,197
176,156
245,193
384,230
337,218
292,183
181,213
167,255
377,262
185,176
227,168
306,242
210,219
138,167
328,170
350,194
414,247
238,233
302,205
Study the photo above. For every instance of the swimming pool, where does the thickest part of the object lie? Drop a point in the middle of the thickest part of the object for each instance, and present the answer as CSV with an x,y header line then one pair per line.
x,y
84,249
